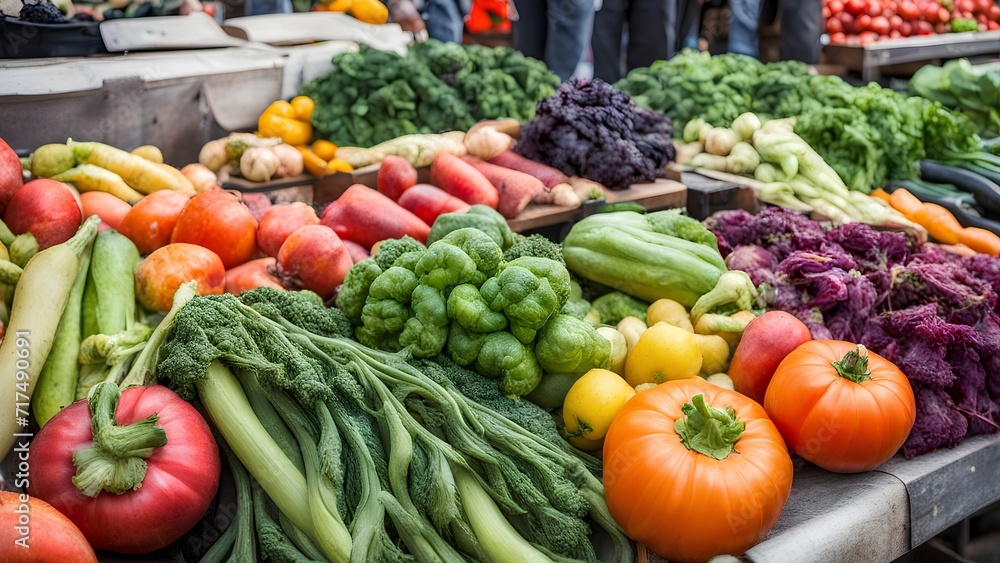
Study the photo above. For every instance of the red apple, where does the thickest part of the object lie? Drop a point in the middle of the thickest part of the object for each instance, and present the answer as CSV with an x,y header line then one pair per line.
x,y
253,274
314,258
160,274
11,176
765,342
46,209
281,220
151,220
109,208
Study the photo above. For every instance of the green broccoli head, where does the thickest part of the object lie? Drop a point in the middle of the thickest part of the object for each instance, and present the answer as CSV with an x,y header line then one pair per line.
x,y
527,300
444,266
534,245
303,308
503,356
569,345
425,333
555,272
463,345
391,249
615,306
483,250
354,291
387,309
481,217
467,307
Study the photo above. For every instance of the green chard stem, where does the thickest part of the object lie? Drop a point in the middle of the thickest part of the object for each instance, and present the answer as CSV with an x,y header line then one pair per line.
x,y
117,461
707,430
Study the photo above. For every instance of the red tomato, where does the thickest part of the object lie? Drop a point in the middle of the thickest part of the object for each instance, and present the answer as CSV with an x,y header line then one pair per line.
x,y
965,5
218,221
944,16
863,23
866,37
151,220
931,10
895,22
838,38
836,6
847,22
833,25
660,491
31,530
940,28
856,7
874,9
842,407
994,14
909,11
826,12
924,28
992,25
180,481
880,26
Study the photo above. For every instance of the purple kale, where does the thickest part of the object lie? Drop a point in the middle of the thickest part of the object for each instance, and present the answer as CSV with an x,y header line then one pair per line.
x,y
873,249
591,129
755,260
938,423
985,268
960,297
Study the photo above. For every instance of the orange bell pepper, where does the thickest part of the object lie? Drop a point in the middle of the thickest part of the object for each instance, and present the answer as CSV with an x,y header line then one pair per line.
x,y
279,120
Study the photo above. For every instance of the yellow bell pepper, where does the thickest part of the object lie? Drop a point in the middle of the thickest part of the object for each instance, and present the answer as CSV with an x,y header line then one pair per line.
x,y
369,11
279,120
304,107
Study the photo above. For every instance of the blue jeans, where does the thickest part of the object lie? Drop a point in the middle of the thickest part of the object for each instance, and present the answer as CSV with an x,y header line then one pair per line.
x,y
444,20
743,18
554,31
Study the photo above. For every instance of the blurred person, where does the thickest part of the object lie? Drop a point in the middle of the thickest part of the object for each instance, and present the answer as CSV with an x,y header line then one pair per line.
x,y
445,19
744,18
554,31
801,27
405,13
652,35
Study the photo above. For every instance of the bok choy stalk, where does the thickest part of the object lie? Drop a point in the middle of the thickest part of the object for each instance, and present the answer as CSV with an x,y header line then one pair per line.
x,y
388,437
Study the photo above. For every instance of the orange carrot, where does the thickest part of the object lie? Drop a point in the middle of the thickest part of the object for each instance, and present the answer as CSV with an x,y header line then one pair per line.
x,y
980,240
939,222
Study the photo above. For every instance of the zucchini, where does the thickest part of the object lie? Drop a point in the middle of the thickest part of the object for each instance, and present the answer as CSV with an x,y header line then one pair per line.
x,y
987,192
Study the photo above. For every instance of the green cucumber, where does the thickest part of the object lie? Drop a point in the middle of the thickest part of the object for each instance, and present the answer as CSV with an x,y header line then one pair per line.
x,y
112,275
56,386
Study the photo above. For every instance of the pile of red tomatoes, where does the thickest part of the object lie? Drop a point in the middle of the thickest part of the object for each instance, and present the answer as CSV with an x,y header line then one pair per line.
x,y
854,22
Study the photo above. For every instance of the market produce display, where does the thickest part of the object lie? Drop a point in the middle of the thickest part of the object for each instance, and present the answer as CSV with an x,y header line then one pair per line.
x,y
928,311
860,22
373,96
973,89
868,135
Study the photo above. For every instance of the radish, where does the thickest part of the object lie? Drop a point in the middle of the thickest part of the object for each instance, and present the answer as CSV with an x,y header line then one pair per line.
x,y
462,180
395,176
427,202
516,189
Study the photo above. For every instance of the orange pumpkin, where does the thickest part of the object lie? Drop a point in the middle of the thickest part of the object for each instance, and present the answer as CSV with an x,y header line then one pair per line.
x,y
840,406
684,500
